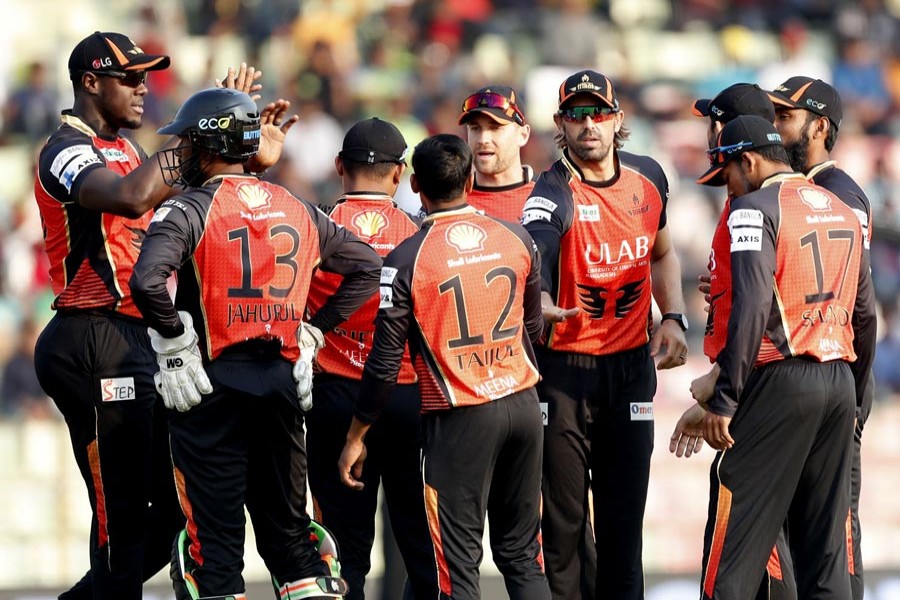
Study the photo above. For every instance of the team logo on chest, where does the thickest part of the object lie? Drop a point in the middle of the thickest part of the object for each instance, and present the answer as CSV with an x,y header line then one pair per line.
x,y
370,223
466,237
254,196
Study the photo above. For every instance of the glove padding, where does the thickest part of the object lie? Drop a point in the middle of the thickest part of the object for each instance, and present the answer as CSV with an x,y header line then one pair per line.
x,y
181,378
311,340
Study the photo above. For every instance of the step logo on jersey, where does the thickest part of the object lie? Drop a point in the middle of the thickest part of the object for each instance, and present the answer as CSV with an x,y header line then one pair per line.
x,y
370,224
466,237
254,196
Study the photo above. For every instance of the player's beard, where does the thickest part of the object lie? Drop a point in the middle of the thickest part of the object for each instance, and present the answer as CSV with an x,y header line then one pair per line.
x,y
585,154
798,152
494,165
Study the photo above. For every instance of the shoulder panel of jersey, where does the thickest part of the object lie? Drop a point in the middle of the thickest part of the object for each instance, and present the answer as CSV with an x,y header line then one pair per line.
x,y
719,265
839,183
549,205
253,265
604,264
376,220
818,253
91,254
502,203
469,279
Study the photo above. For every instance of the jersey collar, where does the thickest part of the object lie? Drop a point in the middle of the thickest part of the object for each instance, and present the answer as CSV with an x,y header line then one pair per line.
x,y
781,178
815,170
456,211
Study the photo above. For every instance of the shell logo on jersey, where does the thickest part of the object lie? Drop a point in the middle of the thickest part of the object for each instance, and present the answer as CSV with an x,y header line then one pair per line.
x,y
254,196
370,223
466,237
815,199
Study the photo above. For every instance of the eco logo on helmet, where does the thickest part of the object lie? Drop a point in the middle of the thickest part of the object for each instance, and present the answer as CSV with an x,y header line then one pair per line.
x,y
215,123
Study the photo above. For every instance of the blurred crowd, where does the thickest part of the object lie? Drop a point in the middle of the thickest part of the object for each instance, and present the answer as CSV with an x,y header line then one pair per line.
x,y
414,61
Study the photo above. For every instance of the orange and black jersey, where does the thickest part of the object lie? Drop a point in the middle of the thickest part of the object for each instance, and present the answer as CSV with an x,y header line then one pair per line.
x,y
839,183
504,202
91,253
836,181
245,251
376,220
719,287
465,291
798,281
596,241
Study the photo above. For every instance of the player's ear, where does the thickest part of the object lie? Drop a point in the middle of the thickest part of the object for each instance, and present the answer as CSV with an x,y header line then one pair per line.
x,y
339,166
524,134
470,182
822,126
414,183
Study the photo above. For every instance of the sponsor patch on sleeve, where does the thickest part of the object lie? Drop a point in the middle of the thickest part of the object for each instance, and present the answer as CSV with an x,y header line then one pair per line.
x,y
71,161
385,291
387,275
386,296
534,215
117,389
864,222
744,239
541,203
160,215
745,216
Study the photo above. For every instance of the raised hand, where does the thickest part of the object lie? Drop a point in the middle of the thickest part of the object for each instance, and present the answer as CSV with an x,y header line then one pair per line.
x,y
243,80
274,124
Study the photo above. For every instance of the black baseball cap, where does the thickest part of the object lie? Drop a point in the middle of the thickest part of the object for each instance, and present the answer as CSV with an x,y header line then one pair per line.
x,y
499,102
741,134
374,141
734,101
109,52
588,82
810,94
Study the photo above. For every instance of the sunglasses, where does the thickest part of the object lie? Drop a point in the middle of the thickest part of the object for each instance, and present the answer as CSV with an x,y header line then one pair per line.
x,y
133,80
577,114
720,154
493,100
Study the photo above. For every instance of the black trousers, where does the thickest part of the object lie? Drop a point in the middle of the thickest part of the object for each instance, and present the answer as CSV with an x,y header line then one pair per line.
x,y
243,445
793,436
393,447
98,368
598,437
478,460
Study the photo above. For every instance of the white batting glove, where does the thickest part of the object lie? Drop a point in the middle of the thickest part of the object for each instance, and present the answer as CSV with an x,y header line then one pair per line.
x,y
311,340
181,379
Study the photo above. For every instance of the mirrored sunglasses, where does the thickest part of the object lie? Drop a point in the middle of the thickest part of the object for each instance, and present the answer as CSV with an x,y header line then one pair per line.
x,y
576,114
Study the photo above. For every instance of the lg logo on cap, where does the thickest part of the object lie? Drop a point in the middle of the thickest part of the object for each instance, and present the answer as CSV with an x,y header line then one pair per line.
x,y
215,123
814,104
